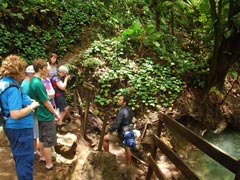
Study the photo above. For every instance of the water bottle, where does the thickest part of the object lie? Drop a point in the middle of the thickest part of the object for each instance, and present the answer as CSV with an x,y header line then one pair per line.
x,y
59,122
57,111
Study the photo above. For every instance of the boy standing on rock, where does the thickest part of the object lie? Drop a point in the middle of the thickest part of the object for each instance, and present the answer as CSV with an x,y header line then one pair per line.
x,y
123,119
45,113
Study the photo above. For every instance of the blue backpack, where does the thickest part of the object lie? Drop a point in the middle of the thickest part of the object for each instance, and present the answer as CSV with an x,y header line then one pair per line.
x,y
3,87
129,139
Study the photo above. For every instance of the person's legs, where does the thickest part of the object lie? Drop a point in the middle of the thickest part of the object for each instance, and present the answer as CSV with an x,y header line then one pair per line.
x,y
22,150
36,134
115,139
106,142
41,140
63,113
36,145
128,155
41,148
49,141
61,103
48,156
24,166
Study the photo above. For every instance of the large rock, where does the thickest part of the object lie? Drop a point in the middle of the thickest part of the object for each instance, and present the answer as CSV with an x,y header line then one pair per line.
x,y
104,166
66,145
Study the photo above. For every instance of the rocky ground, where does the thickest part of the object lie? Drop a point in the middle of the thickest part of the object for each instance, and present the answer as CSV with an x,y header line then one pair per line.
x,y
76,159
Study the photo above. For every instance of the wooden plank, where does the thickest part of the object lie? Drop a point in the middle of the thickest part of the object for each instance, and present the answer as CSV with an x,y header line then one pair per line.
x,y
154,151
90,89
155,168
88,86
173,157
211,150
237,177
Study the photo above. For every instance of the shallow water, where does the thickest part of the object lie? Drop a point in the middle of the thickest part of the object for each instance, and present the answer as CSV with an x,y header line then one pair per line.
x,y
208,169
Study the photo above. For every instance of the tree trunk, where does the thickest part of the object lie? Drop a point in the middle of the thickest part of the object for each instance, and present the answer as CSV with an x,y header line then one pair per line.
x,y
226,51
228,54
154,8
172,23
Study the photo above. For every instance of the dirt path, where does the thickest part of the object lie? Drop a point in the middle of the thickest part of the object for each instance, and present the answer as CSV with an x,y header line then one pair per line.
x,y
67,170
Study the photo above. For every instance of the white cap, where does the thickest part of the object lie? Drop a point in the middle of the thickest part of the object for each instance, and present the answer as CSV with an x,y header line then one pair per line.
x,y
30,69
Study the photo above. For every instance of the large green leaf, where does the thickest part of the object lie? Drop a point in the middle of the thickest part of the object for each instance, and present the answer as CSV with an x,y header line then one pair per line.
x,y
128,32
236,20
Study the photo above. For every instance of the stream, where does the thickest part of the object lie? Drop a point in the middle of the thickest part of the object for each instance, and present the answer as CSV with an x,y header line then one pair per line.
x,y
208,169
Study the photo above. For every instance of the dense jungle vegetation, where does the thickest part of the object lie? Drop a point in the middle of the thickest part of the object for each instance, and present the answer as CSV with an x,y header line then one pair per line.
x,y
148,48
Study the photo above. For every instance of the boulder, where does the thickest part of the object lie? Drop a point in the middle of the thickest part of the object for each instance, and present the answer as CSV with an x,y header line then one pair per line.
x,y
66,145
104,166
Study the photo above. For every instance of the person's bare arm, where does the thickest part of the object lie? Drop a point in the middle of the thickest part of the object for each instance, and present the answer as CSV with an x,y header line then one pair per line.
x,y
17,114
62,85
48,105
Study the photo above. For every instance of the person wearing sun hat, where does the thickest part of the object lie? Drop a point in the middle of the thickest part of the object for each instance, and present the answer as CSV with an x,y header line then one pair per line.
x,y
29,72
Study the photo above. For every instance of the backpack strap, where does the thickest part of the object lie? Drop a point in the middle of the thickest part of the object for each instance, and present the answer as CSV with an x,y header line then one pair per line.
x,y
58,92
3,87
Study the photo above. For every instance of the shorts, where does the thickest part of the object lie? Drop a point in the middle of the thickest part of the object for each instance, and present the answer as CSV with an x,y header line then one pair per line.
x,y
47,133
61,102
35,129
113,138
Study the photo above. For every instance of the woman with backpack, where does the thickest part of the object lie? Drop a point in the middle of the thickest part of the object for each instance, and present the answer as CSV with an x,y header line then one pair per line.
x,y
18,111
59,83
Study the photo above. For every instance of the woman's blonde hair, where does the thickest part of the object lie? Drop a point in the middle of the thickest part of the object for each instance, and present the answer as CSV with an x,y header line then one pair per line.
x,y
12,66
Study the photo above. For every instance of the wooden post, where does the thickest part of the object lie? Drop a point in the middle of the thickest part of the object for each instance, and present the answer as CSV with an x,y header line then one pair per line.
x,y
80,104
155,167
237,177
154,152
103,132
75,99
86,115
90,89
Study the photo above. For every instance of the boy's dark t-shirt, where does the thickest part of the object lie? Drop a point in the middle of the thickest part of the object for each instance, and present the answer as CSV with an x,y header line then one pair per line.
x,y
124,117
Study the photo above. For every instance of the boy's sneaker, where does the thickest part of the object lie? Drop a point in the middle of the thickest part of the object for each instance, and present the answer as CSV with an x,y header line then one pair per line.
x,y
37,153
49,169
42,160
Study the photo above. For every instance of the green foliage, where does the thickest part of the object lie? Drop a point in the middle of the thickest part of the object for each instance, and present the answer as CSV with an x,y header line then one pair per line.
x,y
236,20
165,46
54,25
76,75
148,82
92,62
5,42
216,91
140,60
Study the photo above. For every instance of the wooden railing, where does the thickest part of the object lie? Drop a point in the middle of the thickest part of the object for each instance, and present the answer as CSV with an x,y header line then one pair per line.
x,y
212,151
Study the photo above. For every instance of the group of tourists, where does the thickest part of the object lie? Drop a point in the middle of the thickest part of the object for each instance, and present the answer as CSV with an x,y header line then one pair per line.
x,y
29,109
35,106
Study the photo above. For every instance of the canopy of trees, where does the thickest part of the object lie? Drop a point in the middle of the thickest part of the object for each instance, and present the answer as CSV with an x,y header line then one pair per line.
x,y
152,46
